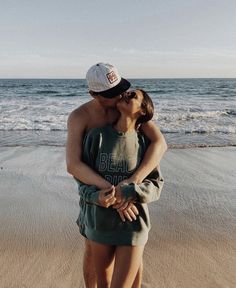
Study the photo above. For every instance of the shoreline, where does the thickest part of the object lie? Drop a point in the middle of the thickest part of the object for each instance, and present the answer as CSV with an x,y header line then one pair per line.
x,y
58,138
170,146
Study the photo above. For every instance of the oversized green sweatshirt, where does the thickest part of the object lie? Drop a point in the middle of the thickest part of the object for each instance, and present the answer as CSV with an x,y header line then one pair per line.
x,y
115,156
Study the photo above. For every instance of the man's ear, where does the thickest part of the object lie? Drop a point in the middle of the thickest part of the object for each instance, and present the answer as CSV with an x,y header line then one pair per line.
x,y
92,93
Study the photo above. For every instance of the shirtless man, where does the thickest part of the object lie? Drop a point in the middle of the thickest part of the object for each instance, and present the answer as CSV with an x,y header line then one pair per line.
x,y
106,86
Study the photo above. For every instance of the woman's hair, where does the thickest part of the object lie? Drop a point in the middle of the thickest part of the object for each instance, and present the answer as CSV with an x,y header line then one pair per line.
x,y
148,108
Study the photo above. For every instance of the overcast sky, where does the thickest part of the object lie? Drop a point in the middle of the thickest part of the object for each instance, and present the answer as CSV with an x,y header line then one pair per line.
x,y
151,38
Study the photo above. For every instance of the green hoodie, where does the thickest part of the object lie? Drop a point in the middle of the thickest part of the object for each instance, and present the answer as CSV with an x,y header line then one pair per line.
x,y
115,156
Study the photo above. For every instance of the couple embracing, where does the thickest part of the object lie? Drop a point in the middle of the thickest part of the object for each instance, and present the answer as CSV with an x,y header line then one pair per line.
x,y
113,152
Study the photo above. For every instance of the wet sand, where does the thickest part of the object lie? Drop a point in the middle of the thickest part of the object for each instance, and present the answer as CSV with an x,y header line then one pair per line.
x,y
192,242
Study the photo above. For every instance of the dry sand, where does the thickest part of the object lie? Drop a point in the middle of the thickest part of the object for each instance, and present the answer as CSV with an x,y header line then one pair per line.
x,y
193,238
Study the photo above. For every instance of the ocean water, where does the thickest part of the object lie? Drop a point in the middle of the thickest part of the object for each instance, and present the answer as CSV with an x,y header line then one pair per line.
x,y
189,112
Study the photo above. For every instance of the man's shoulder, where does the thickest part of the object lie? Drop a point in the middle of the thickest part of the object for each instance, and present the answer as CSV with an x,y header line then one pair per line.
x,y
81,111
80,116
78,119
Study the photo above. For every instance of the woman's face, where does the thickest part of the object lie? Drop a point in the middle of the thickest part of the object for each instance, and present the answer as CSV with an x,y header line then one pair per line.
x,y
131,103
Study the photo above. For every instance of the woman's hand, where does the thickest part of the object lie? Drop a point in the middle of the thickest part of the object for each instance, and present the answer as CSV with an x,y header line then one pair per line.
x,y
126,209
107,197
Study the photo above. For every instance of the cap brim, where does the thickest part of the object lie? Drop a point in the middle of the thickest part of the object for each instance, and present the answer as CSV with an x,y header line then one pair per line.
x,y
120,88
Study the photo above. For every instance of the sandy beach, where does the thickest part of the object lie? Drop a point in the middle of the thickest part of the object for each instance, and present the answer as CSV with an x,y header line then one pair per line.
x,y
192,241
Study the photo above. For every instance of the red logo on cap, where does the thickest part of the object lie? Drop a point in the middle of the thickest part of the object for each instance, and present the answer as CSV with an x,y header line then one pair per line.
x,y
112,77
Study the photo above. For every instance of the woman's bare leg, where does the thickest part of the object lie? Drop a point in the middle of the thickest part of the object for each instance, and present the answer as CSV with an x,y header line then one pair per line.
x,y
103,257
127,263
138,279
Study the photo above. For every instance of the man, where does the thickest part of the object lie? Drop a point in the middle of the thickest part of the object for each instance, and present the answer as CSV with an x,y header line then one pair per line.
x,y
106,86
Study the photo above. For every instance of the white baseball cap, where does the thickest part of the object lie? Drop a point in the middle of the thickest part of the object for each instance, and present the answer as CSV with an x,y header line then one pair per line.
x,y
104,79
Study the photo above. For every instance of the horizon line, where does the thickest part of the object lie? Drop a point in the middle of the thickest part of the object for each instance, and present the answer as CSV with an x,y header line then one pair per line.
x,y
131,78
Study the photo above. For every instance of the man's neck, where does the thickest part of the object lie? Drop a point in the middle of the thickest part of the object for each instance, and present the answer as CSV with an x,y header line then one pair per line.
x,y
98,116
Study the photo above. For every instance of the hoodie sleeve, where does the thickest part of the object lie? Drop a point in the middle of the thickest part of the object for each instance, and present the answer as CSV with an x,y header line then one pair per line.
x,y
147,191
89,193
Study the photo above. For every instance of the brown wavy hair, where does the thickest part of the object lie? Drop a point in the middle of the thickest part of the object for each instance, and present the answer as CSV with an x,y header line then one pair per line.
x,y
148,108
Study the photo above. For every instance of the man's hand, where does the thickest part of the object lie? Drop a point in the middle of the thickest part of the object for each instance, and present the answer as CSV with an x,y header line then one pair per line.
x,y
107,197
131,179
128,210
119,197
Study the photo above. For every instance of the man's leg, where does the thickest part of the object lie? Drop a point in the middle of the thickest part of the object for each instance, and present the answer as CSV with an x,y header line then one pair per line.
x,y
88,267
138,279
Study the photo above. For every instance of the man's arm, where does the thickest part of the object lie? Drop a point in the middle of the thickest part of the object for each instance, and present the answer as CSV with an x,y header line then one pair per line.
x,y
153,154
92,195
147,191
104,198
76,125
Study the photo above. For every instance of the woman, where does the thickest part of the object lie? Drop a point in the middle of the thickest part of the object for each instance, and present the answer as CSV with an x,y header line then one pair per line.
x,y
115,152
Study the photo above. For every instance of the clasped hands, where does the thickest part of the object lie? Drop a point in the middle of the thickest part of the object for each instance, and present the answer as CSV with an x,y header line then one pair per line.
x,y
113,197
